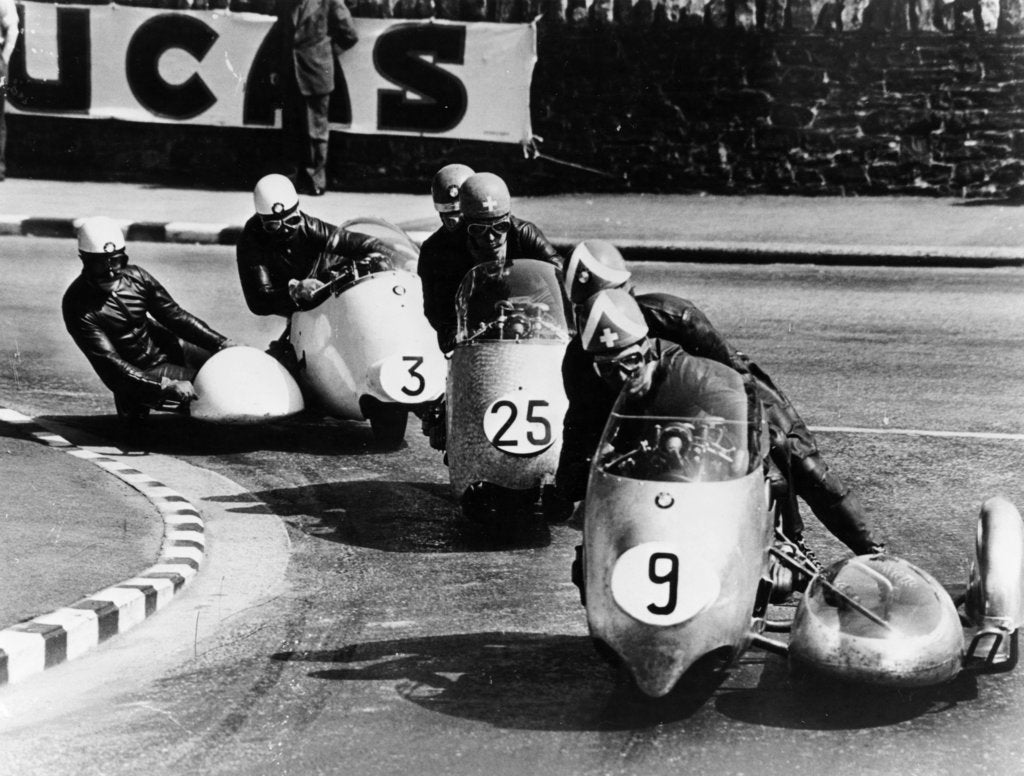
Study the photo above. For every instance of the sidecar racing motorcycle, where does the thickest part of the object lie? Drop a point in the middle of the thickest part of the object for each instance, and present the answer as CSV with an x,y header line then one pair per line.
x,y
505,400
681,552
365,350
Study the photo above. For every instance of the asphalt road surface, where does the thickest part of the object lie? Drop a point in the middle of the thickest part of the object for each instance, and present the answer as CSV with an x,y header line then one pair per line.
x,y
402,640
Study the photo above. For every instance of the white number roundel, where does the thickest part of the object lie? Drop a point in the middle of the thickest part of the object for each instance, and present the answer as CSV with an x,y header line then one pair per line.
x,y
411,379
659,583
520,424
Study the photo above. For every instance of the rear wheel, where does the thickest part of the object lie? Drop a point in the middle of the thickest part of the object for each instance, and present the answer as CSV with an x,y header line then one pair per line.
x,y
388,424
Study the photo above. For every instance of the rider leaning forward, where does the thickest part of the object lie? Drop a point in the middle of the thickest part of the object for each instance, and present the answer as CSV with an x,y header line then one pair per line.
x,y
596,265
477,227
487,232
278,249
143,346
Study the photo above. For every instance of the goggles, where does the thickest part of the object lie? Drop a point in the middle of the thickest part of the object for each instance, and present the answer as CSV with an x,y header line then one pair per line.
x,y
497,227
100,264
624,364
274,224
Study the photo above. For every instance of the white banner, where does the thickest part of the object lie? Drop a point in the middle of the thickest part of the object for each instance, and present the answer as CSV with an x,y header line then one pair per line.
x,y
403,77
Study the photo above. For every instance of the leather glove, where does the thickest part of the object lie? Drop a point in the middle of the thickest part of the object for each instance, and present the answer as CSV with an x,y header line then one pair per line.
x,y
178,390
303,290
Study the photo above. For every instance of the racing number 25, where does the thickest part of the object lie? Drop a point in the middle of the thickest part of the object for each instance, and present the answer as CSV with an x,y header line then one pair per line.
x,y
533,418
671,576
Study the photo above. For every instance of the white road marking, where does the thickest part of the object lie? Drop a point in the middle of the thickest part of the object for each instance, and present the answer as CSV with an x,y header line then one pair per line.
x,y
921,432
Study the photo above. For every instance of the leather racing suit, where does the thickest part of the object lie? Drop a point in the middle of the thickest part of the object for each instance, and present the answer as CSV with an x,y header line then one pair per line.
x,y
799,467
266,263
446,257
135,334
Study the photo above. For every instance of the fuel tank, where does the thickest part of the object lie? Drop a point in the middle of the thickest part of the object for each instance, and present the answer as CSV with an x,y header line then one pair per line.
x,y
244,385
995,590
877,619
370,339
672,569
505,409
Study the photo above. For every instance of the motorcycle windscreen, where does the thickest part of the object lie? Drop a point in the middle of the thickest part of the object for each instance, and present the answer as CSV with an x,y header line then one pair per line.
x,y
878,619
396,251
514,301
687,420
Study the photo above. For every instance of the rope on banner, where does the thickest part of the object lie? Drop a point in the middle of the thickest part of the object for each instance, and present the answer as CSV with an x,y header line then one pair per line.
x,y
530,151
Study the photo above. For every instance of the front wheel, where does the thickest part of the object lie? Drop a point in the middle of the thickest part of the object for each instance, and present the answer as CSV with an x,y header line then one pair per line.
x,y
388,424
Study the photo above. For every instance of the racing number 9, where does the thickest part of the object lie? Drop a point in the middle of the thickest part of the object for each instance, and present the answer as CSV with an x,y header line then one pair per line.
x,y
421,381
672,577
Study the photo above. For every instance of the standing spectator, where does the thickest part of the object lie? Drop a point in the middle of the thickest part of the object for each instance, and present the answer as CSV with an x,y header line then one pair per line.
x,y
8,37
307,29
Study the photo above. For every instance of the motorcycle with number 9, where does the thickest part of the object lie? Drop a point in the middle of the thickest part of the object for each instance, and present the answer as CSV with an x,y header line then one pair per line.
x,y
365,351
505,400
681,556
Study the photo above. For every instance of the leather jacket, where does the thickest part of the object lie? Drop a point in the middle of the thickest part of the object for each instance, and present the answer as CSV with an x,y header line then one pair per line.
x,y
445,258
131,329
266,264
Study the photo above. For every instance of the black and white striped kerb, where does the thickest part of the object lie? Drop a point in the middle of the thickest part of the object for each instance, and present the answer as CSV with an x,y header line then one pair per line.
x,y
30,647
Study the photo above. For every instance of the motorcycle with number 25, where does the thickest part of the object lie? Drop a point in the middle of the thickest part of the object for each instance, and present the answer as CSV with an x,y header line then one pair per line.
x,y
505,400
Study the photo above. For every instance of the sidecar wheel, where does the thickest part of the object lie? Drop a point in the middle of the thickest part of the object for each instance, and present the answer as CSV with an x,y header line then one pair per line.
x,y
388,424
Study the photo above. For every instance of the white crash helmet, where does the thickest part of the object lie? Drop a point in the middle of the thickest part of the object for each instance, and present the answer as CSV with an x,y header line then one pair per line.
x,y
101,235
275,195
595,265
612,321
445,187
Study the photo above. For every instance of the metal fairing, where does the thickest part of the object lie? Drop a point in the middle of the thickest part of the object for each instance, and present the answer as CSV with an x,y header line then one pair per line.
x,y
995,591
372,339
911,636
719,533
484,372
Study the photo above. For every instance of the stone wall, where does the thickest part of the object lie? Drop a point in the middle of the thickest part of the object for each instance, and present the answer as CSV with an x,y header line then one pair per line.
x,y
856,102
746,111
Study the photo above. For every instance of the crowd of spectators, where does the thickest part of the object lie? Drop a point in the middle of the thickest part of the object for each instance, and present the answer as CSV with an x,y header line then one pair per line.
x,y
573,12
949,14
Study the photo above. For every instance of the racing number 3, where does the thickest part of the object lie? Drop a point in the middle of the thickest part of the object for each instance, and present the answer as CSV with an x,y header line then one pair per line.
x,y
421,382
671,577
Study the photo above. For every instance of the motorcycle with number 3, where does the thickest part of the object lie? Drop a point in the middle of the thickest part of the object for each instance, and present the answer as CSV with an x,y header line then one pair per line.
x,y
366,351
505,400
681,556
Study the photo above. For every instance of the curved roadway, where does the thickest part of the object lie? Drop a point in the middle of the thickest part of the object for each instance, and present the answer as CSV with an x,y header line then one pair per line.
x,y
397,639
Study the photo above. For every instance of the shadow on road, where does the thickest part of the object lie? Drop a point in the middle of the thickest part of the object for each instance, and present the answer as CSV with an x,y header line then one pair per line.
x,y
534,681
525,681
782,701
171,434
396,516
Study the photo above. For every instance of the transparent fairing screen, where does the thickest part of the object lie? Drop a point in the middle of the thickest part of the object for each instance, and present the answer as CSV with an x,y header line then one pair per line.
x,y
518,301
395,252
707,449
